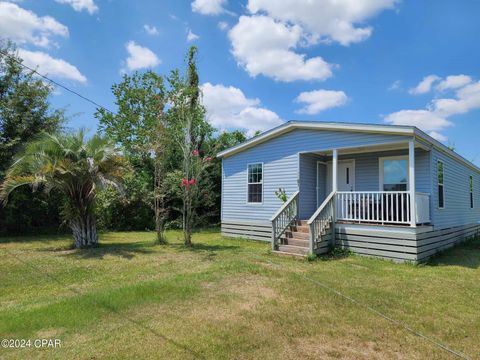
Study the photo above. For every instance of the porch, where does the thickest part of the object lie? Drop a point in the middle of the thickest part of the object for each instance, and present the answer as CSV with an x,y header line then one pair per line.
x,y
375,185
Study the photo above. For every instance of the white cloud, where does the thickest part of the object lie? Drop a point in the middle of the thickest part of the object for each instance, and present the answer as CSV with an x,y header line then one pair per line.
x,y
208,7
49,66
150,29
438,136
425,85
229,108
222,25
396,85
191,36
436,116
319,100
24,26
264,46
140,57
79,5
423,119
325,20
454,82
466,98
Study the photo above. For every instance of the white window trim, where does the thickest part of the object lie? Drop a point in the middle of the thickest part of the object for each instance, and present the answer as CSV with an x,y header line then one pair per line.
x,y
471,193
443,185
380,169
263,180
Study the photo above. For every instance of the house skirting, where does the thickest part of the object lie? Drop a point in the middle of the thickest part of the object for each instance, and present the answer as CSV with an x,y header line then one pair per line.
x,y
401,243
254,230
397,243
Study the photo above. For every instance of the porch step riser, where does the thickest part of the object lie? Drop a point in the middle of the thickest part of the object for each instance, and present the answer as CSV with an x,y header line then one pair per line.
x,y
296,242
297,235
302,229
293,249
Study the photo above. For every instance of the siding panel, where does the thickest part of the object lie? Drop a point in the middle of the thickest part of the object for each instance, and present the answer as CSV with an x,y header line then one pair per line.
x,y
280,157
457,209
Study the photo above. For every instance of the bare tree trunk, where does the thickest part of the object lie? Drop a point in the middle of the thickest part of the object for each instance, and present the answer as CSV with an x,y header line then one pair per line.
x,y
187,220
84,231
159,206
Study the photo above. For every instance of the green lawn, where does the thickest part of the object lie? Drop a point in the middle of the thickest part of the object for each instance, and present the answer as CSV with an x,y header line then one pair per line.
x,y
229,298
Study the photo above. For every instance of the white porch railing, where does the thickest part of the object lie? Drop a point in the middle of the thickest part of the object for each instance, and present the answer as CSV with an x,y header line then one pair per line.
x,y
283,218
320,223
384,207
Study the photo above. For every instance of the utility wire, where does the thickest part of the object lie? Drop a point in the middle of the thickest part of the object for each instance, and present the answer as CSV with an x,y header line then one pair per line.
x,y
55,82
398,323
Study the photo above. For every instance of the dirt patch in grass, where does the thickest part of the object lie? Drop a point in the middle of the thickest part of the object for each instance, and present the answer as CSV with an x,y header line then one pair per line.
x,y
230,296
341,348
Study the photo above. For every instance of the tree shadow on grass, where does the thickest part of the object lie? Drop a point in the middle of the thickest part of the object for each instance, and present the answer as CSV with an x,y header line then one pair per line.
x,y
466,254
124,250
205,249
32,238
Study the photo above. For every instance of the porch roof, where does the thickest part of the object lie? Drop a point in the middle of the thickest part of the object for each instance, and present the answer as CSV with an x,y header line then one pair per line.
x,y
349,127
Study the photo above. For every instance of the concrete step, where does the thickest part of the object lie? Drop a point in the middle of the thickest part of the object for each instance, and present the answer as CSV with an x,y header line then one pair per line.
x,y
292,249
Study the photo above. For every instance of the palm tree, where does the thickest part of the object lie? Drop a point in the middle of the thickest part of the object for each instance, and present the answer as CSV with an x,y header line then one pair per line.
x,y
76,166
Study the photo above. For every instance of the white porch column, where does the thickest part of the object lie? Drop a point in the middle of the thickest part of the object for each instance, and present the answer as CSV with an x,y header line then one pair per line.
x,y
411,182
334,170
334,188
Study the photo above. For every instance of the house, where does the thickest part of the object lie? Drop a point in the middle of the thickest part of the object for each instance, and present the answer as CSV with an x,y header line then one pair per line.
x,y
380,190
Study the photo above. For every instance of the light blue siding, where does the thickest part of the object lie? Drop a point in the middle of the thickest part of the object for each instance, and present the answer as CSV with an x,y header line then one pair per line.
x,y
457,209
280,158
367,169
308,184
322,183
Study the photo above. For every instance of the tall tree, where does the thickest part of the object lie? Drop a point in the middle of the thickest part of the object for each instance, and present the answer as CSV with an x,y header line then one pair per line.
x,y
25,111
138,126
188,127
74,165
24,107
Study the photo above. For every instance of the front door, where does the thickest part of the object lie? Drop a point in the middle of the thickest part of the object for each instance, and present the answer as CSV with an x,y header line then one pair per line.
x,y
345,176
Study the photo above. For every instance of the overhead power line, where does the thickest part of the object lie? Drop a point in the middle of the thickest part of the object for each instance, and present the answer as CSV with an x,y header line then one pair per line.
x,y
56,82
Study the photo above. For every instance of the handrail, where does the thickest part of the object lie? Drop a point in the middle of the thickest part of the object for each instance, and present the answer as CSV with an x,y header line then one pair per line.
x,y
294,195
283,218
320,208
321,221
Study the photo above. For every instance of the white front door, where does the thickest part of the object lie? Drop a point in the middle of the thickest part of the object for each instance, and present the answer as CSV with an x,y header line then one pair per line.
x,y
345,176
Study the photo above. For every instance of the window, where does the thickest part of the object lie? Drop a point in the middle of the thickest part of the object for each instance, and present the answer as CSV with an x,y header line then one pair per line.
x,y
441,192
394,173
471,192
255,183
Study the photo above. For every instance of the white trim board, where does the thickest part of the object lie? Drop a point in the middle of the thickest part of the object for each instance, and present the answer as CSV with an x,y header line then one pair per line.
x,y
426,140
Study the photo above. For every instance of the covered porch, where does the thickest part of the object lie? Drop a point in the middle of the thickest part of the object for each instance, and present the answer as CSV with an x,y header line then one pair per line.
x,y
380,185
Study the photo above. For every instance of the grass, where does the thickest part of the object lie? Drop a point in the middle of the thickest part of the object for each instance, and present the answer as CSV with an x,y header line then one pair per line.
x,y
230,298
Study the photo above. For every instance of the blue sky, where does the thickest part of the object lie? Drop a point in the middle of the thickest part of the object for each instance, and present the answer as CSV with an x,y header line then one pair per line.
x,y
263,61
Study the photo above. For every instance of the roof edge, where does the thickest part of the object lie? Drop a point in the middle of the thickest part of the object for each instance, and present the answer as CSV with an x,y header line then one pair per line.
x,y
343,126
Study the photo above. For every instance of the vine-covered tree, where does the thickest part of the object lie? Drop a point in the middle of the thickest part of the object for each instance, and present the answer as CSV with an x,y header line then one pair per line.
x,y
74,165
191,132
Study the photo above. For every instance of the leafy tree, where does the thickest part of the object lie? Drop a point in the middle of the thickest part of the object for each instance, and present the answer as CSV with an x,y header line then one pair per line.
x,y
74,165
25,111
138,126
